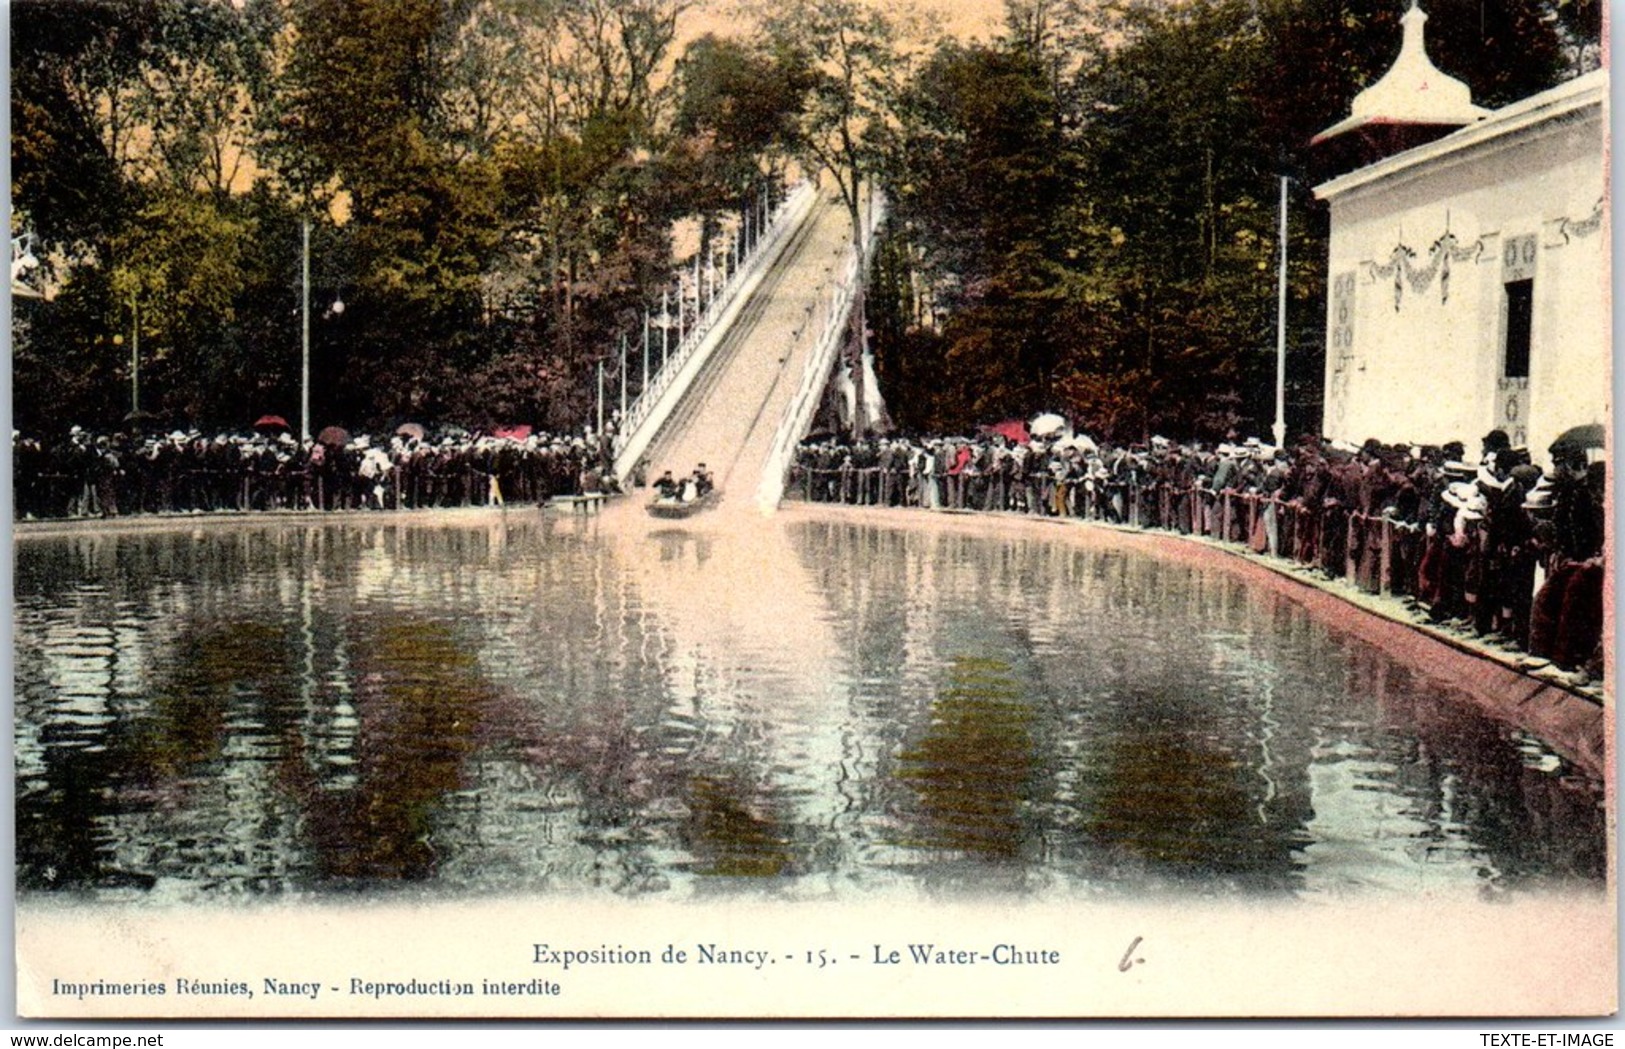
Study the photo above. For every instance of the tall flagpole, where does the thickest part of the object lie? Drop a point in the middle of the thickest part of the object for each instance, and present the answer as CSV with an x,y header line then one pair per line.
x,y
1280,333
304,337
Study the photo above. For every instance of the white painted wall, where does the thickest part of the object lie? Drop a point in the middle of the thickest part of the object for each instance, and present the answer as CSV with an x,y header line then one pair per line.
x,y
1426,368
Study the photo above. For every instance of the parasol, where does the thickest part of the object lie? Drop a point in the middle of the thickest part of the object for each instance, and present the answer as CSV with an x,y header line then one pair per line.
x,y
412,430
271,422
1591,435
334,436
1013,429
1047,425
140,419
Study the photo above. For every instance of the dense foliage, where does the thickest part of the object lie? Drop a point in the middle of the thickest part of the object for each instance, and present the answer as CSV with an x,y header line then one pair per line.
x,y
491,186
1089,204
1085,205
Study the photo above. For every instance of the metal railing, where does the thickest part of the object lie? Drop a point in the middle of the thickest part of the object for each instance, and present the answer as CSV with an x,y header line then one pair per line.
x,y
1455,576
798,416
645,415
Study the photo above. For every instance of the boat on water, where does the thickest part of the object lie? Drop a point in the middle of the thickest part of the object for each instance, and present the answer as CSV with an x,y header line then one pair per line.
x,y
684,498
677,506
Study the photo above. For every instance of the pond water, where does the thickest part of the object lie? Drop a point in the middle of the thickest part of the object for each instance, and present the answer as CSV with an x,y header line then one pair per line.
x,y
809,706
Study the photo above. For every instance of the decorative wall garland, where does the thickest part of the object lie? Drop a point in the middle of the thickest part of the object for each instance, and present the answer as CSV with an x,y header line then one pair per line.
x,y
1448,249
1441,253
1399,261
1584,227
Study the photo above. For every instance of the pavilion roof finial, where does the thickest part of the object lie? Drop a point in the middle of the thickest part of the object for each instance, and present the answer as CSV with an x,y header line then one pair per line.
x,y
1413,91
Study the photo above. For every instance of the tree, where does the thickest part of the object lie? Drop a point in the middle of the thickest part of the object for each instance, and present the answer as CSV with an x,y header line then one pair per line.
x,y
1176,165
73,67
986,193
736,116
589,191
486,180
180,270
617,51
1091,199
206,75
135,125
848,56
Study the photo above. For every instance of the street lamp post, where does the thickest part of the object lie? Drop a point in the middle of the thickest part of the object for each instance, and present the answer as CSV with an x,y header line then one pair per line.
x,y
135,356
334,310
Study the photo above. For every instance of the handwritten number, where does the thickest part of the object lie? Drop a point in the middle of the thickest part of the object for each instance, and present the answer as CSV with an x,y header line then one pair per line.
x,y
1129,961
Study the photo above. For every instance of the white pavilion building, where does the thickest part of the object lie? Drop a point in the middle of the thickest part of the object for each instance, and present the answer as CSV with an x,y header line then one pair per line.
x,y
1469,263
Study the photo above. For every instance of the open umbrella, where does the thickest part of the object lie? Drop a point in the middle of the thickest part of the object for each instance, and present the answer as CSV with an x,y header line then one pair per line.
x,y
271,422
1580,438
412,430
1013,429
334,436
1047,425
512,433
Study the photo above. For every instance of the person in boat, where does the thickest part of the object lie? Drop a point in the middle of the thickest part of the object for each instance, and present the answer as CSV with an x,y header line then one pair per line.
x,y
666,486
702,480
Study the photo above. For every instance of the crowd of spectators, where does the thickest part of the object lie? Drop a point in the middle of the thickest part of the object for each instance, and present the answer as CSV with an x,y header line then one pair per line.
x,y
89,475
1492,544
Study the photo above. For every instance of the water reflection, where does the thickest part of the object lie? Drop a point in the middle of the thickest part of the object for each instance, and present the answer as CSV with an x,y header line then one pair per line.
x,y
424,701
973,771
810,708
735,832
1177,804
